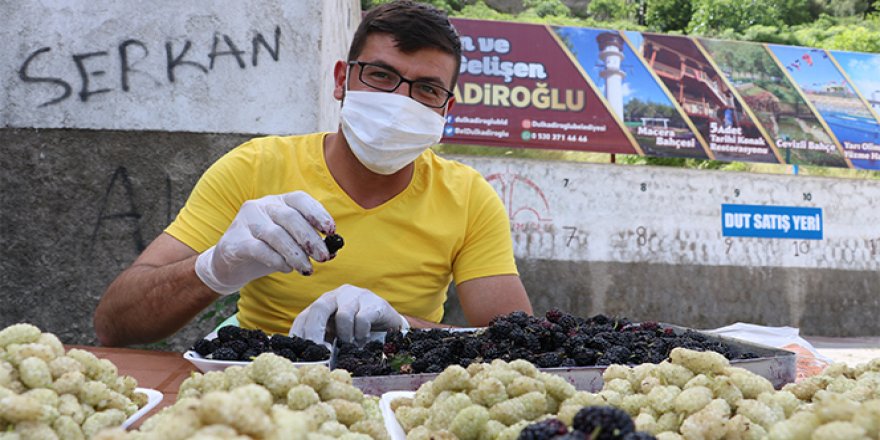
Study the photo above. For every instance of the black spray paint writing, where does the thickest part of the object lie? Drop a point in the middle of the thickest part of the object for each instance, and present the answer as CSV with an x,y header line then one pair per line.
x,y
132,214
129,211
92,66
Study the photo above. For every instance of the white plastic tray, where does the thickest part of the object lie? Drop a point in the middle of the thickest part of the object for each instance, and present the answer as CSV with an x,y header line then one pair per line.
x,y
204,365
153,399
395,431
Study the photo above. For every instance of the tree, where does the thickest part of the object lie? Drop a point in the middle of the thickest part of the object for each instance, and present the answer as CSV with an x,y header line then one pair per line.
x,y
844,8
668,15
543,8
856,38
711,17
609,9
480,10
793,12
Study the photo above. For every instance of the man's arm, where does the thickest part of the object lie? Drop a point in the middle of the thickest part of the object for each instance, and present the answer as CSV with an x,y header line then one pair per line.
x,y
487,297
153,298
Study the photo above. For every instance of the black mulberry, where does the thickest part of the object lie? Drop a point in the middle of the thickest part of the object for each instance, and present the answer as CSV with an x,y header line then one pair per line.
x,y
334,243
204,347
603,422
543,430
316,353
229,333
236,345
279,342
224,354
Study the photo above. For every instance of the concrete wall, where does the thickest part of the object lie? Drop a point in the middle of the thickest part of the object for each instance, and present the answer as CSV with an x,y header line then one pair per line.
x,y
78,206
647,243
208,66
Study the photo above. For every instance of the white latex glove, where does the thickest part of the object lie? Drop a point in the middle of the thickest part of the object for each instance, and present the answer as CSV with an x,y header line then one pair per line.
x,y
358,311
272,234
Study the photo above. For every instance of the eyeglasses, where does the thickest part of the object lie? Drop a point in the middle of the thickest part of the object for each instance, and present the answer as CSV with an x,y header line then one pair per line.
x,y
380,78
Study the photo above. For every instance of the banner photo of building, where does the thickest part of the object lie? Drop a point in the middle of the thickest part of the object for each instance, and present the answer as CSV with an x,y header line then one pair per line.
x,y
706,98
633,93
776,102
574,88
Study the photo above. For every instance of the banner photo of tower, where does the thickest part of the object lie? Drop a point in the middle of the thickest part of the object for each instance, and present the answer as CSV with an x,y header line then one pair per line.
x,y
719,115
826,87
519,87
778,105
633,93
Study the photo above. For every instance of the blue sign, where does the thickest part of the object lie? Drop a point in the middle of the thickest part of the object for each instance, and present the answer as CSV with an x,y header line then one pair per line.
x,y
771,221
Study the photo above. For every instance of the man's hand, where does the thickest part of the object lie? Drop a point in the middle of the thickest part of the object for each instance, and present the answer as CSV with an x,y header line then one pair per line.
x,y
358,311
272,234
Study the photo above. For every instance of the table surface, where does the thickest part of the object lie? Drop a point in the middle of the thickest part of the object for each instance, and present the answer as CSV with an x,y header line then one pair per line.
x,y
160,370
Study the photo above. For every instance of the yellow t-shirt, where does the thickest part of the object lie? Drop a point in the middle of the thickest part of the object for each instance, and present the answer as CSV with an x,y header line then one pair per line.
x,y
449,223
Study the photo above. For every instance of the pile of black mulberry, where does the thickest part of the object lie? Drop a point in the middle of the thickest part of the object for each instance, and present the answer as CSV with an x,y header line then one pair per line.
x,y
557,340
590,423
238,344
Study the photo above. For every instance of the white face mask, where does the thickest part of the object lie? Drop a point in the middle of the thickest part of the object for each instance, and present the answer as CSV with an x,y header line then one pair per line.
x,y
387,131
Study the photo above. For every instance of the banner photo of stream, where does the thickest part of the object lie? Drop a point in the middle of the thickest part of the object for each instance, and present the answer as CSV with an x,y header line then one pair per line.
x,y
575,88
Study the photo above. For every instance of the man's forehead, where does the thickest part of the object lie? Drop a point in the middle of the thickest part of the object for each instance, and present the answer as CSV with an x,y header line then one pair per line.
x,y
428,62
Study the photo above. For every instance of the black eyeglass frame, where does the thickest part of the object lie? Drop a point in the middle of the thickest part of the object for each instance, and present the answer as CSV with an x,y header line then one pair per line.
x,y
411,82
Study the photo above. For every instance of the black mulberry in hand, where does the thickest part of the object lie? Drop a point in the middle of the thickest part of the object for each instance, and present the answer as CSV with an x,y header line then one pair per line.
x,y
334,243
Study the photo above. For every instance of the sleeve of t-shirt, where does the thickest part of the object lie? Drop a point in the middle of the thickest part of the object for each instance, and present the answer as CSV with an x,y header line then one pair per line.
x,y
216,198
487,249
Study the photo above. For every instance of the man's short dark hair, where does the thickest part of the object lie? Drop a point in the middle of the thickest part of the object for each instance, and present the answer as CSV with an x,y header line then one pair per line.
x,y
414,26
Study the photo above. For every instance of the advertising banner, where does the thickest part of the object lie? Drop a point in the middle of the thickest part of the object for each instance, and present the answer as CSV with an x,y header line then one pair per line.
x,y
776,102
706,98
838,103
519,86
633,93
575,88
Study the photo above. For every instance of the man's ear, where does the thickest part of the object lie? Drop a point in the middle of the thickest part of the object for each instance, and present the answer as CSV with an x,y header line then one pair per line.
x,y
340,73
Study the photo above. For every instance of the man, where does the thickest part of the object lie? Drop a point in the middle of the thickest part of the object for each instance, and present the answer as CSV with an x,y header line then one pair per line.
x,y
412,221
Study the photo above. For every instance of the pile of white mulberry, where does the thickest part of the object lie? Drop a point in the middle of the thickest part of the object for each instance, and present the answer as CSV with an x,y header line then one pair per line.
x,y
47,393
694,395
270,398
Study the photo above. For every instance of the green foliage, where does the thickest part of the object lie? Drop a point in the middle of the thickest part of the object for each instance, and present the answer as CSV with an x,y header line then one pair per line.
x,y
668,15
855,38
850,33
769,34
711,17
543,8
220,310
481,11
636,109
679,162
369,4
446,5
793,12
610,9
845,8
